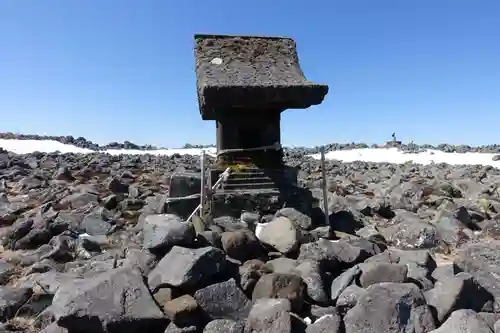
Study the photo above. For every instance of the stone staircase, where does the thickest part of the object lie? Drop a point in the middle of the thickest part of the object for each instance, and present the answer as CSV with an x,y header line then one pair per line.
x,y
248,180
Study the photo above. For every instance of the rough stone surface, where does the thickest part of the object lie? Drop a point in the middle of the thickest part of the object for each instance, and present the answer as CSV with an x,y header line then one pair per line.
x,y
114,301
242,71
390,307
463,321
165,231
224,300
183,267
270,315
278,285
280,234
85,232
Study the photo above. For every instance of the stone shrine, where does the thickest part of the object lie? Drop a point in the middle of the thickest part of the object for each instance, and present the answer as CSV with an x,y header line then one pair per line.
x,y
244,84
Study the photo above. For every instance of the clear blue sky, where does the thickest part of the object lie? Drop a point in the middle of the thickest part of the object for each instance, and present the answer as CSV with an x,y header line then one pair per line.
x,y
112,70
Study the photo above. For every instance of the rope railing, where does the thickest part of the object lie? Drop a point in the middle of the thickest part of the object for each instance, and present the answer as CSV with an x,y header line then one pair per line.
x,y
275,146
222,179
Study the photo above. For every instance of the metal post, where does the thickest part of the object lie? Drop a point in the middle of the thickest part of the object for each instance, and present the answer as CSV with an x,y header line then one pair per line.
x,y
203,185
325,191
209,194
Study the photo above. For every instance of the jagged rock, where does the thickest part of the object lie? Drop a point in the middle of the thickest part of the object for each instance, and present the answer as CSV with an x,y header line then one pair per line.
x,y
113,301
482,261
280,234
172,328
250,219
228,223
458,292
300,220
94,224
164,295
463,321
489,318
278,285
349,297
241,245
6,271
182,311
11,300
330,323
333,253
162,232
250,272
141,260
78,200
496,327
211,238
270,316
320,311
223,326
311,274
412,235
223,300
282,265
419,275
343,281
63,173
192,267
390,308
378,272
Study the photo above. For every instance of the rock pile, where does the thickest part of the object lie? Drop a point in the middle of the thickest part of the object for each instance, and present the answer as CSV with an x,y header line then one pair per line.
x,y
88,247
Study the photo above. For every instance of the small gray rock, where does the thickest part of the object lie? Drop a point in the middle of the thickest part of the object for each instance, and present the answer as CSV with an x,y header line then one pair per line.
x,y
342,281
378,272
280,234
183,267
112,300
390,308
286,286
458,292
224,300
163,231
300,220
463,321
270,316
331,323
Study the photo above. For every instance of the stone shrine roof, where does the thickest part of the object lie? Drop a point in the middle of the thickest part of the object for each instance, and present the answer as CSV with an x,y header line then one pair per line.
x,y
250,72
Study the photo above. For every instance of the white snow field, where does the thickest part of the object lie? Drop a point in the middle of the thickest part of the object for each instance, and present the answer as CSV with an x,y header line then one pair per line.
x,y
390,155
49,146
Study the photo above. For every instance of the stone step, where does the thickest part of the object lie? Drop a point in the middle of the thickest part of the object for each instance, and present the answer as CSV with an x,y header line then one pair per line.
x,y
252,191
248,180
250,175
246,170
238,175
242,186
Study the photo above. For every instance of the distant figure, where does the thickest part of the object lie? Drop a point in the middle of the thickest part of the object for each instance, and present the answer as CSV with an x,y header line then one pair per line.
x,y
394,137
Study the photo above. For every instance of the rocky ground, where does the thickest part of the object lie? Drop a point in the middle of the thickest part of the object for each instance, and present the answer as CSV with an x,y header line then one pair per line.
x,y
87,248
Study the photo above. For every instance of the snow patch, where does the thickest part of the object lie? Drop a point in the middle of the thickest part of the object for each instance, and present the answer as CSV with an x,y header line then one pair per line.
x,y
388,155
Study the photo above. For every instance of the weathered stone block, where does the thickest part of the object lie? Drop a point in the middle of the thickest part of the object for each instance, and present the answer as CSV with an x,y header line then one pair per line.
x,y
251,73
183,184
